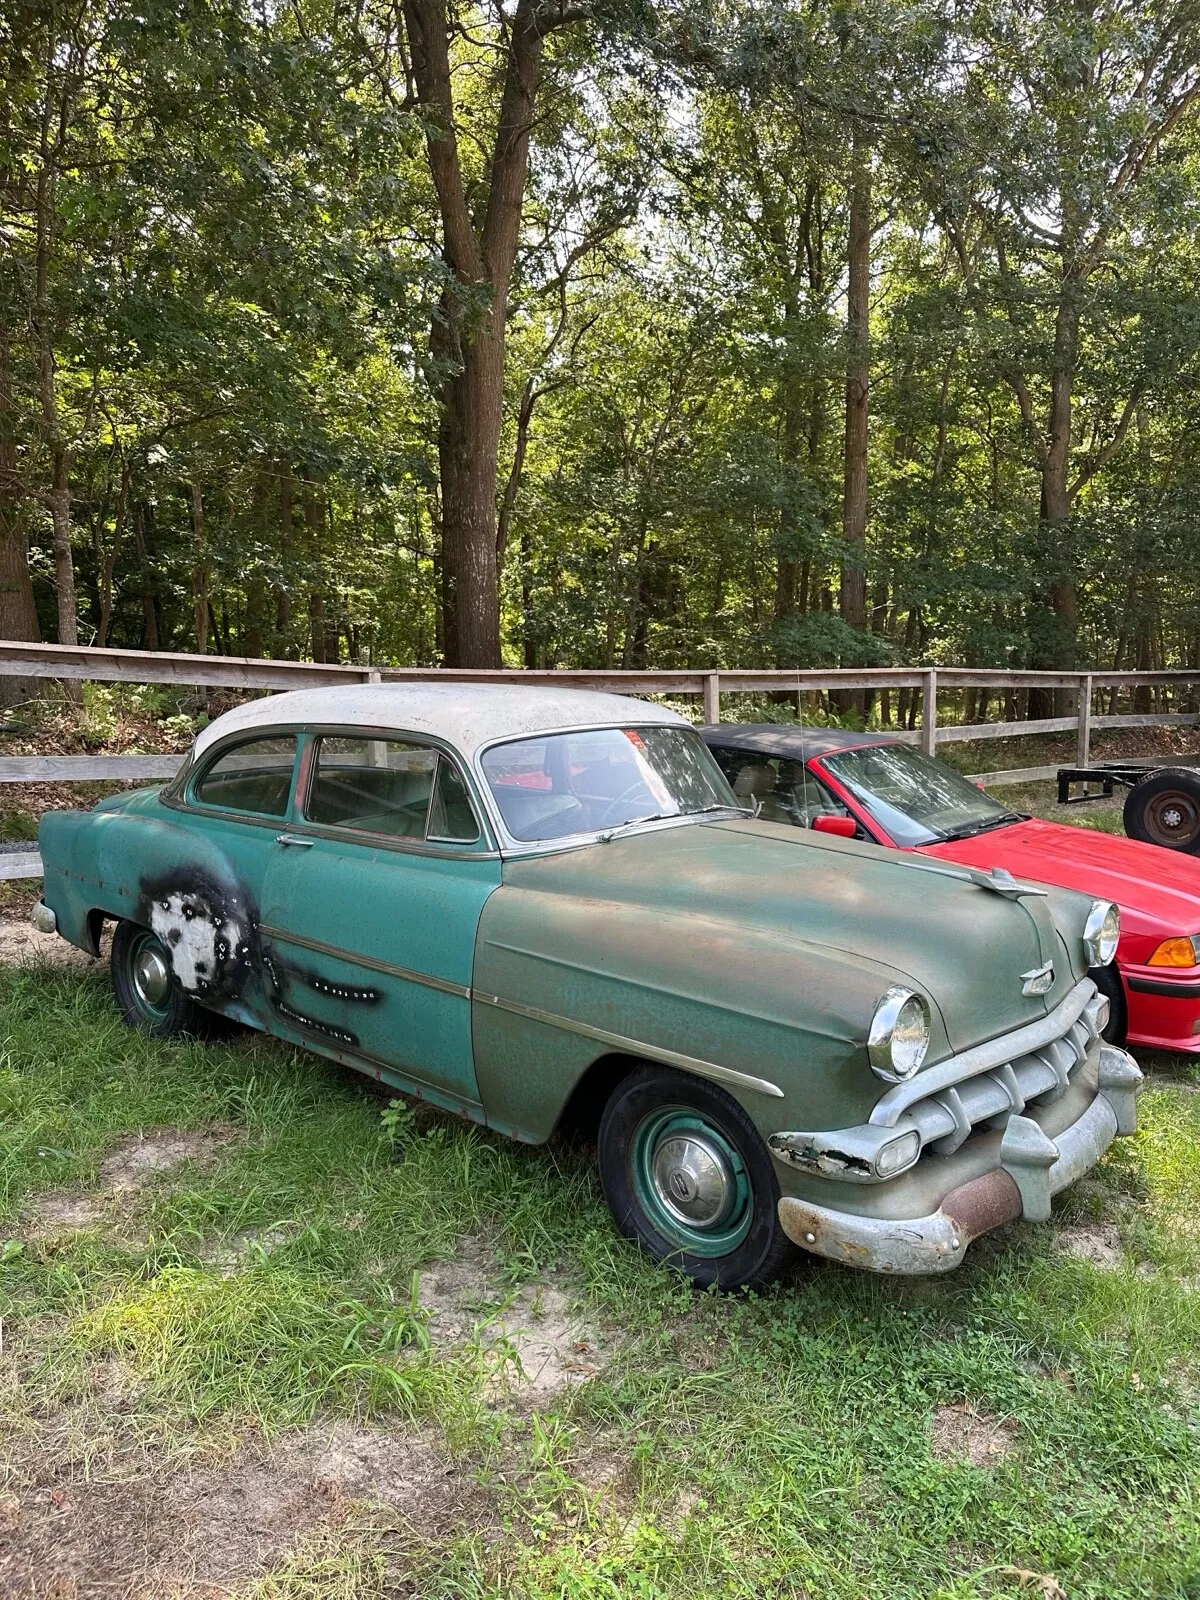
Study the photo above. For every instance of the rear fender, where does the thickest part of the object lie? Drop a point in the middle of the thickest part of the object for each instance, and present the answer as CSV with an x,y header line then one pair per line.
x,y
127,865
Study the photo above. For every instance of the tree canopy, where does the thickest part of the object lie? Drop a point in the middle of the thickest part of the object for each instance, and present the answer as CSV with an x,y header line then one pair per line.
x,y
603,332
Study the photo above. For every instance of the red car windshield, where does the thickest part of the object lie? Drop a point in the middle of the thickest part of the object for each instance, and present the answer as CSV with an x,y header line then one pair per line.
x,y
569,783
913,799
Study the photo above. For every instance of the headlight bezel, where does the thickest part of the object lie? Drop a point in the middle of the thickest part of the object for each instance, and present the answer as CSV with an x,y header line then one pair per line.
x,y
1101,932
881,1039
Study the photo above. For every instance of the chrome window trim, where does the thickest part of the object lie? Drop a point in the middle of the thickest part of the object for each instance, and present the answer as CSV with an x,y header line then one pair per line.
x,y
510,845
194,772
479,848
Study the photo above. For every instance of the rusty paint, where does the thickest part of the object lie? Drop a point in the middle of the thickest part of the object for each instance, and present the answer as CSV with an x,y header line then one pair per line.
x,y
983,1204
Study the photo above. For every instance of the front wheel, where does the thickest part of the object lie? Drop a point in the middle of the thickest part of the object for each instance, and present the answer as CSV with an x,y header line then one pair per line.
x,y
1108,981
147,990
1164,809
686,1174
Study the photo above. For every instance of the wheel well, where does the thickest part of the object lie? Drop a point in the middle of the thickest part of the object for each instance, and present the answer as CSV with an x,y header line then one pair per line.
x,y
579,1120
93,928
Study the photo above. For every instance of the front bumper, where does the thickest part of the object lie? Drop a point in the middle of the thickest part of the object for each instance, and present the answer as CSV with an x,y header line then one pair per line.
x,y
1032,1168
1163,1007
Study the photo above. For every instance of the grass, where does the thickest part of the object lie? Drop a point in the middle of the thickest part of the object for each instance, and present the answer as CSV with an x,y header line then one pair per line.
x,y
730,1446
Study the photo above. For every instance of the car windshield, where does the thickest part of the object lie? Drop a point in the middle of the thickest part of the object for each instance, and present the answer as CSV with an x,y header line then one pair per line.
x,y
914,799
567,783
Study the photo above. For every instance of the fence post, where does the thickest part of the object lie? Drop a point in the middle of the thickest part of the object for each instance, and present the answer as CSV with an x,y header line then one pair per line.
x,y
1083,744
929,711
374,675
712,697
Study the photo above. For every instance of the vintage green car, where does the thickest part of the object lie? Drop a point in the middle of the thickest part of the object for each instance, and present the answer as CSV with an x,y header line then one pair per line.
x,y
545,909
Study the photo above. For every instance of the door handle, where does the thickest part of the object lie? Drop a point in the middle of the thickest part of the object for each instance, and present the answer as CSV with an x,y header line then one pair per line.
x,y
297,839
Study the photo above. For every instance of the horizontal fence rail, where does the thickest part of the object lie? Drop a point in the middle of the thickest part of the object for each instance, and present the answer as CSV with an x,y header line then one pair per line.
x,y
19,659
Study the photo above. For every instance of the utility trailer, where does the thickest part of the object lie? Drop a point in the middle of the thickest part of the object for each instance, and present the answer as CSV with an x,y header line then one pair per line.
x,y
1162,806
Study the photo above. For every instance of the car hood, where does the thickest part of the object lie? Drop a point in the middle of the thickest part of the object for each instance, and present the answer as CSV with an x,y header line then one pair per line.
x,y
902,918
1161,885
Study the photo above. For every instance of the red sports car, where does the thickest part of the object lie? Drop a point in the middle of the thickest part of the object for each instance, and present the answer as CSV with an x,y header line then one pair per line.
x,y
869,786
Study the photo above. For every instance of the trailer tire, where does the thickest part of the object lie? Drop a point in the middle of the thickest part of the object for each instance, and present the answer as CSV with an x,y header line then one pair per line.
x,y
1164,809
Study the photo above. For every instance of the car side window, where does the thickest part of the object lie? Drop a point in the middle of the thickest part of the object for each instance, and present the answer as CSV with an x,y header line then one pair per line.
x,y
782,790
451,816
254,776
389,786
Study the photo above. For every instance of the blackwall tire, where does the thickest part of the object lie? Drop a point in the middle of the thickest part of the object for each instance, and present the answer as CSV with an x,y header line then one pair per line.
x,y
147,991
1108,981
1164,809
686,1175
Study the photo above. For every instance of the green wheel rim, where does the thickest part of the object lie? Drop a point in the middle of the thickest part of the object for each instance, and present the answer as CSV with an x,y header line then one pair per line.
x,y
691,1182
149,970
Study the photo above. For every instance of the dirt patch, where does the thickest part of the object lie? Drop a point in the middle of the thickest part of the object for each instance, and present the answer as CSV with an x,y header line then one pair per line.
x,y
142,1528
537,1327
1096,1242
964,1433
124,1172
22,945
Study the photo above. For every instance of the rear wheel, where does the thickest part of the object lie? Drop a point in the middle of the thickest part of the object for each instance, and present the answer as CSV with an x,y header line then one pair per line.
x,y
147,990
686,1174
1164,809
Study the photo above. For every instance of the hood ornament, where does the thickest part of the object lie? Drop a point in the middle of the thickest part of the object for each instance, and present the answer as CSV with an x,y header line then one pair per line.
x,y
1001,881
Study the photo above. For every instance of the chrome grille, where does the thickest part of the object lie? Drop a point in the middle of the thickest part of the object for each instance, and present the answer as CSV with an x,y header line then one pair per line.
x,y
988,1093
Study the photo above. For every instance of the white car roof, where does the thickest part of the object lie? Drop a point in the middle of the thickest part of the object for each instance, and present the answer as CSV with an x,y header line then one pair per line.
x,y
465,715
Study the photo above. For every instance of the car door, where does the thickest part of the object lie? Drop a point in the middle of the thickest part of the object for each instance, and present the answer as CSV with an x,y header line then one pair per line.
x,y
372,901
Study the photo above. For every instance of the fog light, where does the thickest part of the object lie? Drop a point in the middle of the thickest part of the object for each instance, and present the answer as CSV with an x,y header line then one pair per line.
x,y
898,1154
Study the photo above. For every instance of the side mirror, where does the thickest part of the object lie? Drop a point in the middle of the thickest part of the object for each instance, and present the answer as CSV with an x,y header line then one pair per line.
x,y
843,827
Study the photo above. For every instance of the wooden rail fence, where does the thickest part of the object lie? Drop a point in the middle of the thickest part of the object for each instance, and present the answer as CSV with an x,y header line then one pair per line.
x,y
52,661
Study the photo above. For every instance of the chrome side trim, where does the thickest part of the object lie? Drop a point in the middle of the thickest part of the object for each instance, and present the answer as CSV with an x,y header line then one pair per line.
x,y
617,1041
983,1057
386,967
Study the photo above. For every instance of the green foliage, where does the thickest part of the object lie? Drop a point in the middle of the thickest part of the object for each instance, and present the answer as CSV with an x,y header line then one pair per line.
x,y
245,306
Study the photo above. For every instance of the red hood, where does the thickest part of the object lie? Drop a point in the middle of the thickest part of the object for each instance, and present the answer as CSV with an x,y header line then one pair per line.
x,y
1157,890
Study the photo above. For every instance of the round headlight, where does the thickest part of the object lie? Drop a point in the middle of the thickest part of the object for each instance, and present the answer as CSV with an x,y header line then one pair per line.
x,y
899,1035
1101,933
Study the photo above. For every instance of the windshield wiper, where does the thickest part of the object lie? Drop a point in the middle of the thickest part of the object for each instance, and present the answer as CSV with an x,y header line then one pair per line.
x,y
664,816
986,826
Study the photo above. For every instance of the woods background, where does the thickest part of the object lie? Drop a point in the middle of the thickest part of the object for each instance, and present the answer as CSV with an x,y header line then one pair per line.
x,y
602,333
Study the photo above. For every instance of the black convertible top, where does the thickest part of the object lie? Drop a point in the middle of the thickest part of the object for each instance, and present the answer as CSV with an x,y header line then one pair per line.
x,y
788,739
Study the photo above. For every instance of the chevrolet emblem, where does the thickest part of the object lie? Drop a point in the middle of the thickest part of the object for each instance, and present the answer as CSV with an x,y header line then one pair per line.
x,y
1039,981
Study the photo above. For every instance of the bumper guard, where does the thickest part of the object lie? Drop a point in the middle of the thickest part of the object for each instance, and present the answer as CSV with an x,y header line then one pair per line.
x,y
1033,1168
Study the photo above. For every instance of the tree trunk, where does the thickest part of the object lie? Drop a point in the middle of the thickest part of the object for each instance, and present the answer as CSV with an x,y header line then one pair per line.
x,y
200,572
480,246
853,601
468,451
256,607
18,611
109,564
149,612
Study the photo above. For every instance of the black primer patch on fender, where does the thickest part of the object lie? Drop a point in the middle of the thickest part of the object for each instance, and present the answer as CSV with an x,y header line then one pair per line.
x,y
208,927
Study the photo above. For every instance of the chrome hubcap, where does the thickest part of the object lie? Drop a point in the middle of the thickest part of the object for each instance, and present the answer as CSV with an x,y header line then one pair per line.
x,y
693,1180
1172,817
151,976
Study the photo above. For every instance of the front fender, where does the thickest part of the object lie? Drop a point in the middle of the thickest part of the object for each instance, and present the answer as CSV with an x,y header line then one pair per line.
x,y
735,996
